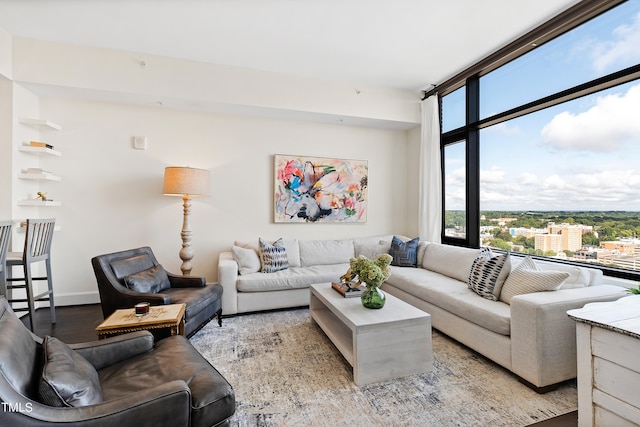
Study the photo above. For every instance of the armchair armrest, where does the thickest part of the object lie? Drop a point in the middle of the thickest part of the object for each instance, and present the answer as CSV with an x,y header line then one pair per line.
x,y
102,353
228,278
167,404
543,337
131,298
186,281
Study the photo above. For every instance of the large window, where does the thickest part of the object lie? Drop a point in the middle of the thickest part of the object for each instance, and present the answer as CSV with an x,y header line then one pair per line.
x,y
547,160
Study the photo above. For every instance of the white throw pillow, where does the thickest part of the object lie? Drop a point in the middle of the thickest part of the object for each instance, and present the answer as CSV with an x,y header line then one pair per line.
x,y
247,259
528,278
372,247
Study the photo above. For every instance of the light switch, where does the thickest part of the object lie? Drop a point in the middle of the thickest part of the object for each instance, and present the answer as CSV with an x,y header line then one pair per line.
x,y
140,142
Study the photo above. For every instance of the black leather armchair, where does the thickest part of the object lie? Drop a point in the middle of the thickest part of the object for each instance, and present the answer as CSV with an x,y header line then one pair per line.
x,y
142,383
114,272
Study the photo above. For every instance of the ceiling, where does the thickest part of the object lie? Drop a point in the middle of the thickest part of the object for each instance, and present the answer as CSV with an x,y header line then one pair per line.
x,y
402,44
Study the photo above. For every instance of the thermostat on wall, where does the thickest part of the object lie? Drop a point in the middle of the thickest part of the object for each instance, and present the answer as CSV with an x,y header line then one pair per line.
x,y
140,142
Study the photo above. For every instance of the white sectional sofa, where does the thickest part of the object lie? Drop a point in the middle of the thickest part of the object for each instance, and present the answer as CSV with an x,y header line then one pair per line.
x,y
532,335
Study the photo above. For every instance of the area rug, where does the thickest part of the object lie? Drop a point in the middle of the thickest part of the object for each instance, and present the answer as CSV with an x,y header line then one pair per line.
x,y
286,372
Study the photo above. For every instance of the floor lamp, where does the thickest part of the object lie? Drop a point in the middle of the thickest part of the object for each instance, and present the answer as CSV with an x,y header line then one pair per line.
x,y
186,182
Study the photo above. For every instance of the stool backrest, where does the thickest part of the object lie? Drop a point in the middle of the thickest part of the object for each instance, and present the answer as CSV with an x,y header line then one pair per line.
x,y
5,236
37,242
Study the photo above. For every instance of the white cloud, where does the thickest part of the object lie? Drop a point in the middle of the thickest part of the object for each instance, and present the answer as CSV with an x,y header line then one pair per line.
x,y
625,47
456,177
504,128
527,178
494,175
606,190
606,126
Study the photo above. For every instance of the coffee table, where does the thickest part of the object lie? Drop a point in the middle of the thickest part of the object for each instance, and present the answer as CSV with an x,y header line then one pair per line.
x,y
170,316
392,342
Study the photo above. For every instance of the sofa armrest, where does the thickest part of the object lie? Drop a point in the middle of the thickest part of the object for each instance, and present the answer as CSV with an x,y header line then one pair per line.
x,y
186,281
167,404
543,337
228,278
102,353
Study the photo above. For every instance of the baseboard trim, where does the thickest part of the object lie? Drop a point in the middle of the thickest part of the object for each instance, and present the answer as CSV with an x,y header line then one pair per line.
x,y
80,298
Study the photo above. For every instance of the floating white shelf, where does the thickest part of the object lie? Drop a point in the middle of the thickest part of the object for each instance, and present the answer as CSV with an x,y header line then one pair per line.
x,y
40,176
39,150
40,124
39,203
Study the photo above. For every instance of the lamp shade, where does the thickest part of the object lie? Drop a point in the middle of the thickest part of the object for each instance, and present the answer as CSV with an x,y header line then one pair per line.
x,y
186,181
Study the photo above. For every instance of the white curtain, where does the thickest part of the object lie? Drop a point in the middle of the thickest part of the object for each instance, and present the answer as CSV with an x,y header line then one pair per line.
x,y
430,209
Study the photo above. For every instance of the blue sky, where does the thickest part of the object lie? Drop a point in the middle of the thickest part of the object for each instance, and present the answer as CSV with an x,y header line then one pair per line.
x,y
581,155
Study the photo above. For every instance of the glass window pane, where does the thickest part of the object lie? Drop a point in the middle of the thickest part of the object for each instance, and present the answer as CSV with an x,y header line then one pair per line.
x,y
601,46
453,110
455,205
550,181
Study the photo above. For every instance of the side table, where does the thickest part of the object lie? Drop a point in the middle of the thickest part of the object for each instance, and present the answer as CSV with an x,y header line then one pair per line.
x,y
608,344
122,321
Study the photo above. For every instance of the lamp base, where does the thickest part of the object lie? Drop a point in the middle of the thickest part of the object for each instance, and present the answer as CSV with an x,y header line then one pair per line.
x,y
186,253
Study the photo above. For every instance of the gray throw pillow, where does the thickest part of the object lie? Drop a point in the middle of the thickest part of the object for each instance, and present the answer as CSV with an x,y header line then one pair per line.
x,y
150,281
68,379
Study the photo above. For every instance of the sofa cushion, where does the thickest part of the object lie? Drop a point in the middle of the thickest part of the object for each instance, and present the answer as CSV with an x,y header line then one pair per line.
x,y
293,278
325,252
195,299
487,269
452,261
527,278
405,254
150,281
247,259
453,296
273,257
68,379
372,247
578,278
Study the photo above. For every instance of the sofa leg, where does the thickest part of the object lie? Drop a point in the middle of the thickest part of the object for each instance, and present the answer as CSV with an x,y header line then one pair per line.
x,y
540,390
219,314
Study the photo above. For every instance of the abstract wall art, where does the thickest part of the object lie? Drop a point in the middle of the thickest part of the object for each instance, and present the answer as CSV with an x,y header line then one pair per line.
x,y
320,190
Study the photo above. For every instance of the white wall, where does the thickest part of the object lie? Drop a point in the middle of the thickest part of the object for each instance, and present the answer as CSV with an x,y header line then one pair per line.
x,y
111,193
6,54
6,144
107,74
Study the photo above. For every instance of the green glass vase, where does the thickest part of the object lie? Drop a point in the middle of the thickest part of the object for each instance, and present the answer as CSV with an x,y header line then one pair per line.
x,y
373,297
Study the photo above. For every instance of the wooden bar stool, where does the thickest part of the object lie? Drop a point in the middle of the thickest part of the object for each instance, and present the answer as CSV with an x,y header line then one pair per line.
x,y
37,248
5,237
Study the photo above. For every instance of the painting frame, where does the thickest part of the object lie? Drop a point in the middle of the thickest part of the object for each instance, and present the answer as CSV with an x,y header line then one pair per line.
x,y
310,189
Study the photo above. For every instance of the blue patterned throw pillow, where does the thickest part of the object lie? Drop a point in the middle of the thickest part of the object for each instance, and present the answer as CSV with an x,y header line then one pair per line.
x,y
485,272
273,257
405,254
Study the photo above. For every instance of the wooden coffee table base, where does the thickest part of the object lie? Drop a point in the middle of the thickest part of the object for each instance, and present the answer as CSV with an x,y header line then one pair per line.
x,y
122,321
380,345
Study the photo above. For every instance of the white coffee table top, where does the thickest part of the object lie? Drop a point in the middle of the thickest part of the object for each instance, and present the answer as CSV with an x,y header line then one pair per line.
x,y
356,316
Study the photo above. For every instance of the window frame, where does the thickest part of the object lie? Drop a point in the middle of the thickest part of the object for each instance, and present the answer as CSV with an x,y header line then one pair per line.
x,y
573,17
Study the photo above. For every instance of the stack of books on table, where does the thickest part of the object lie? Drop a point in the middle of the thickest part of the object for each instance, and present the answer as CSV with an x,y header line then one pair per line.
x,y
347,291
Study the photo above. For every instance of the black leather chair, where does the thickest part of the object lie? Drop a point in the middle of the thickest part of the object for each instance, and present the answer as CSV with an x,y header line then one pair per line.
x,y
136,382
128,277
